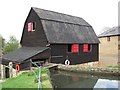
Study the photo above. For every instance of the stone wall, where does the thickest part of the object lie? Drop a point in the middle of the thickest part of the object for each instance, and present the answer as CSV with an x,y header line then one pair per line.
x,y
108,51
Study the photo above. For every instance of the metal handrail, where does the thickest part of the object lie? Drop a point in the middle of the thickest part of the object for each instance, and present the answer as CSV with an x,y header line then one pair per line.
x,y
38,77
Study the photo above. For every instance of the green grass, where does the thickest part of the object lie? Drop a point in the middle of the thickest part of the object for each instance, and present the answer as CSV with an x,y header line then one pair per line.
x,y
0,86
114,66
28,80
22,81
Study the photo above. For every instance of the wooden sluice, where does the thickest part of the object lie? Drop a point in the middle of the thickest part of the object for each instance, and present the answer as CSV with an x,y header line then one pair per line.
x,y
51,66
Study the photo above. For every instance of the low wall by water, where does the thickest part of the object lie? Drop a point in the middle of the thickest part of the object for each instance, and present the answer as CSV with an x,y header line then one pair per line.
x,y
90,70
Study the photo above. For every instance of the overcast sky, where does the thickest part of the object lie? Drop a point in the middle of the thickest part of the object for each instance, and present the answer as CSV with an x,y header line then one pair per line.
x,y
98,13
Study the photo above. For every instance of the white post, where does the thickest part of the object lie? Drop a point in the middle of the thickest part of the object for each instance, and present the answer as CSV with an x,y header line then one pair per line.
x,y
39,82
10,70
2,71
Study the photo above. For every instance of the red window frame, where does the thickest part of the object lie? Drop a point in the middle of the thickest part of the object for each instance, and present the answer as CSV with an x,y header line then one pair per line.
x,y
85,48
75,48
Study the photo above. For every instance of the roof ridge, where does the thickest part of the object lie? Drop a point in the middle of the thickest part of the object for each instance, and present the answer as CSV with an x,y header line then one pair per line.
x,y
60,17
57,12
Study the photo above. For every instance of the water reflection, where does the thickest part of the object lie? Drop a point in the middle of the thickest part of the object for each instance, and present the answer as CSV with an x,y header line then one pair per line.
x,y
105,83
62,79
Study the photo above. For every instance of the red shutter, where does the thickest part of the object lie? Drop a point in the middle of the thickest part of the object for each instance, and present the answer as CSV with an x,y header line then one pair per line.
x,y
85,48
30,27
75,48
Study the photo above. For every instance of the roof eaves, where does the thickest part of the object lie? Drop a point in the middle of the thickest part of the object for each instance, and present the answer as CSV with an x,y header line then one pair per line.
x,y
108,35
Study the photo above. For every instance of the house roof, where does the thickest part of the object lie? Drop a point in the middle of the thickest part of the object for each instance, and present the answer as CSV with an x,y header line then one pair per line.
x,y
60,17
62,28
111,32
23,53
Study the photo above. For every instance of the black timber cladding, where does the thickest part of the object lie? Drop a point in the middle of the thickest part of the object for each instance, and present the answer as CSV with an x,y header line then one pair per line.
x,y
36,38
61,53
56,31
62,28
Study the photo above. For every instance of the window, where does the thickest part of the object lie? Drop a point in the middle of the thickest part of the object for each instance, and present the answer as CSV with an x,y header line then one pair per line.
x,y
87,48
108,38
75,48
69,47
118,47
31,26
118,38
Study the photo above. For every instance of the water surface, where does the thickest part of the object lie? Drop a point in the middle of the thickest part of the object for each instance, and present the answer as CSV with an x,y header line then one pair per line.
x,y
65,79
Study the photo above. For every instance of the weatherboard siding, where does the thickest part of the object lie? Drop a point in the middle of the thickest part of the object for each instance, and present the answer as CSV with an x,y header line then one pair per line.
x,y
58,34
35,38
56,30
60,51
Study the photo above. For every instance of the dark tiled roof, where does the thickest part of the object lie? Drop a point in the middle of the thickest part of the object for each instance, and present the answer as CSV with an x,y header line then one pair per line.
x,y
55,16
62,28
111,32
23,53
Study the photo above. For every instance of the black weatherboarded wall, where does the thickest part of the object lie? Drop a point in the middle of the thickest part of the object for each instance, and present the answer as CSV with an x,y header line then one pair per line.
x,y
36,38
60,54
57,30
53,33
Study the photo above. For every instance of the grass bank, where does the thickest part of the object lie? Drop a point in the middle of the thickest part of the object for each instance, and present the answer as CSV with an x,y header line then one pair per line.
x,y
28,80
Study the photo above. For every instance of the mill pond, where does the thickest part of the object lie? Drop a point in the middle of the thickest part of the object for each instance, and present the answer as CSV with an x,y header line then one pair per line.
x,y
66,79
56,78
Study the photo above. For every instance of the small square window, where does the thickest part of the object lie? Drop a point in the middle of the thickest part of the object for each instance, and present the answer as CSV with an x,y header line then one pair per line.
x,y
108,38
31,26
69,47
75,48
118,47
87,48
118,38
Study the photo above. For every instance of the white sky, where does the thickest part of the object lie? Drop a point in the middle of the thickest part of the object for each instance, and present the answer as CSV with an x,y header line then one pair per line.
x,y
98,13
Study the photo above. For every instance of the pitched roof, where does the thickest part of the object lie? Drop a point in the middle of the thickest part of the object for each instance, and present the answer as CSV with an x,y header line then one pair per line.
x,y
111,32
23,53
55,16
62,28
